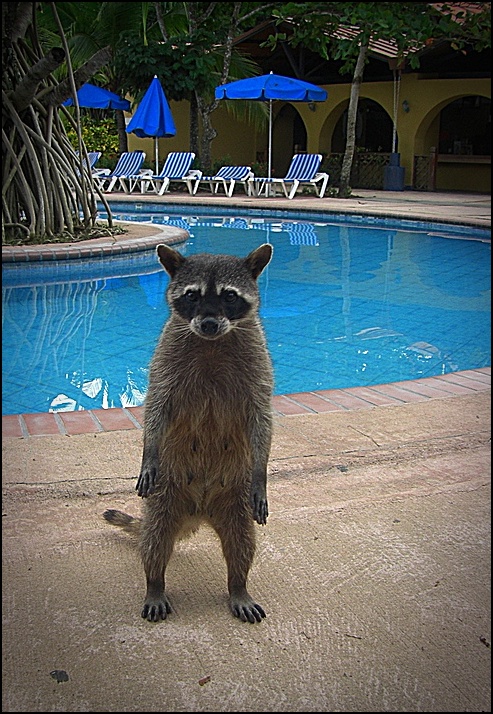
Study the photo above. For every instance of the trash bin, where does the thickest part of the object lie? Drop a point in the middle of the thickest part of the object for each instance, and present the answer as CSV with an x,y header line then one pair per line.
x,y
393,178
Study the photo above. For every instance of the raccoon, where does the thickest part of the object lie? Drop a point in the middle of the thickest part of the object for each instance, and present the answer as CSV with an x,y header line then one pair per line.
x,y
207,423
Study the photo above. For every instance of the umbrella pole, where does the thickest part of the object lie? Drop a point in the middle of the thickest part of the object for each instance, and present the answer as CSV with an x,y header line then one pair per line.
x,y
156,154
270,140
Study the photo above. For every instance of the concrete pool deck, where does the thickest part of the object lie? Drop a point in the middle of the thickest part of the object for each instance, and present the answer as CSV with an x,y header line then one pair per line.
x,y
374,566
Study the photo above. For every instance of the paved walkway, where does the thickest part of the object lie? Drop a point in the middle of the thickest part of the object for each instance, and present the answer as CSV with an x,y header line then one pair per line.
x,y
464,208
374,566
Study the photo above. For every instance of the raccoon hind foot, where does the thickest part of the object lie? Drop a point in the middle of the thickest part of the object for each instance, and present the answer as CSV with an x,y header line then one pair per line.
x,y
246,609
156,608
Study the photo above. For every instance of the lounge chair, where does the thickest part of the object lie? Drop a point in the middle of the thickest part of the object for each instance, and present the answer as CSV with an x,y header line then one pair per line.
x,y
175,168
92,159
88,162
303,170
228,177
127,165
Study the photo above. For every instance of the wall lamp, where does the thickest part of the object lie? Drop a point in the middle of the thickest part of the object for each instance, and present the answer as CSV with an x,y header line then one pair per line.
x,y
405,106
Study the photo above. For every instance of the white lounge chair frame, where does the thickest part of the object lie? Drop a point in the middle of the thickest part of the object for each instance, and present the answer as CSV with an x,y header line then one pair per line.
x,y
127,165
303,170
228,177
175,168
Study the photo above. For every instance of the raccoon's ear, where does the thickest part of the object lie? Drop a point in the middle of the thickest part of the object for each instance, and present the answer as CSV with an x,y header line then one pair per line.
x,y
169,258
258,259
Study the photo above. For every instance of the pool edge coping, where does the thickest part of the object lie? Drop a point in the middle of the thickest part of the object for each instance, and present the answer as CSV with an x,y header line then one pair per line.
x,y
94,421
91,248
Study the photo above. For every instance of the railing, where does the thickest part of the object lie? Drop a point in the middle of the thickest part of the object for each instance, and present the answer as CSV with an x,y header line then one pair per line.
x,y
368,170
424,178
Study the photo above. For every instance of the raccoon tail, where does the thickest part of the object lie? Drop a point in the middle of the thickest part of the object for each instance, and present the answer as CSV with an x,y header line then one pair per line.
x,y
123,520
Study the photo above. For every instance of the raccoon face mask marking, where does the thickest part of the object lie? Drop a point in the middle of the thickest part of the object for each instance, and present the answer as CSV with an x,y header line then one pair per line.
x,y
213,293
211,311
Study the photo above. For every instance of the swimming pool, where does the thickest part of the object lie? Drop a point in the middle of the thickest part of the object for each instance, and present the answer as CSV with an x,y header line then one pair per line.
x,y
346,302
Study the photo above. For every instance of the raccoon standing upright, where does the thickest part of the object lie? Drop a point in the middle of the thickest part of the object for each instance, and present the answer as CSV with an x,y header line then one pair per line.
x,y
207,423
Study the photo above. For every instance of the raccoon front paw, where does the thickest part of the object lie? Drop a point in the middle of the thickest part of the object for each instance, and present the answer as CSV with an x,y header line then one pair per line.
x,y
156,609
146,483
260,508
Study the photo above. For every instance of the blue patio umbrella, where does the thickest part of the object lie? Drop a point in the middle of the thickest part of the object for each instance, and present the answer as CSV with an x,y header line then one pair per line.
x,y
268,87
153,117
93,97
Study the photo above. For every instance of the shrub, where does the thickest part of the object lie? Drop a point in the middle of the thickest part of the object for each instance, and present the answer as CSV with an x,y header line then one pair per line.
x,y
98,135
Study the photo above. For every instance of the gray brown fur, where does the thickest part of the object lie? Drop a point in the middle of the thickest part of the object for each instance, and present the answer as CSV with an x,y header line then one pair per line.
x,y
208,423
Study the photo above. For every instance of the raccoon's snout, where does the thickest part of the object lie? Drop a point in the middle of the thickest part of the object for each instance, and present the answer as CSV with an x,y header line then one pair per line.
x,y
209,326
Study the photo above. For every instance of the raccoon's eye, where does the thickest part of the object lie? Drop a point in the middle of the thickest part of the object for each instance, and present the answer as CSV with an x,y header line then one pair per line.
x,y
192,295
229,295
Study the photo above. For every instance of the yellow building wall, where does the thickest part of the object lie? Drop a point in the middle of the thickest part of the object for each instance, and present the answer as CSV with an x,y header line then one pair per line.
x,y
417,129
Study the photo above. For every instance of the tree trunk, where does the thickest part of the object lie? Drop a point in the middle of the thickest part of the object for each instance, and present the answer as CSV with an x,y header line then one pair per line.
x,y
199,107
347,163
28,86
122,134
208,133
194,126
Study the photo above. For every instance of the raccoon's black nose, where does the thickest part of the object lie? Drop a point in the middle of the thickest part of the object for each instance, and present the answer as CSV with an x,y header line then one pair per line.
x,y
209,326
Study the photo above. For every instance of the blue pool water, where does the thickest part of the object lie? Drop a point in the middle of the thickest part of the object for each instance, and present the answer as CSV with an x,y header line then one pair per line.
x,y
345,302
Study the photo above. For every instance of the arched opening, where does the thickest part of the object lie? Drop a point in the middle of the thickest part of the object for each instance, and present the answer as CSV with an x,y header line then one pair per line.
x,y
373,128
453,146
465,127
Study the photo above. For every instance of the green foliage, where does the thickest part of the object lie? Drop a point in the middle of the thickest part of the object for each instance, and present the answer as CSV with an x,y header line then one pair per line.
x,y
410,25
218,163
260,168
180,66
98,135
192,54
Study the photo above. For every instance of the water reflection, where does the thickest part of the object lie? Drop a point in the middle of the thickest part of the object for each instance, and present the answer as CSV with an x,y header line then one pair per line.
x,y
80,342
